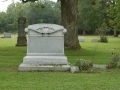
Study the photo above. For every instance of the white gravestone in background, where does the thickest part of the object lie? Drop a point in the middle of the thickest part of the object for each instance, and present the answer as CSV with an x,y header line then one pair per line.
x,y
7,35
45,50
81,39
94,40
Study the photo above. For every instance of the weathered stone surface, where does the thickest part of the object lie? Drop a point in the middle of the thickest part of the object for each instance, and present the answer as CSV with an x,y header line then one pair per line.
x,y
45,48
21,40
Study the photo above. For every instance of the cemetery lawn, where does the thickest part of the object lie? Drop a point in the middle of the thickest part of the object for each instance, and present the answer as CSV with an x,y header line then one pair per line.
x,y
99,53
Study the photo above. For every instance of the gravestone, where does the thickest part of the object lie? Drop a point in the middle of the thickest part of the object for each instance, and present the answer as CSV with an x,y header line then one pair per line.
x,y
45,48
21,40
94,40
6,35
97,66
81,39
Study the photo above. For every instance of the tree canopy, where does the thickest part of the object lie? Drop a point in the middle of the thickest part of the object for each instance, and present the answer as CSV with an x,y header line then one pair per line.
x,y
33,14
91,15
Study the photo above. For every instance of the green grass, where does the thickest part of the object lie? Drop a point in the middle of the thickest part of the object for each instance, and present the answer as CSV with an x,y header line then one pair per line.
x,y
11,79
99,53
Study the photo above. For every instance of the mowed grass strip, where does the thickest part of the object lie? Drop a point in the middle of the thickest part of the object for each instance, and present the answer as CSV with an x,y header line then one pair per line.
x,y
100,53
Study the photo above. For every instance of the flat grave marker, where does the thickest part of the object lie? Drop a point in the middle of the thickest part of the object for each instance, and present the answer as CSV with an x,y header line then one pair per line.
x,y
81,39
94,40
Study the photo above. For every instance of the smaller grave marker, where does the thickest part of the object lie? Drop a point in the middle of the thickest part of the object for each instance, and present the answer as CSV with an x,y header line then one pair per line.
x,y
6,35
81,39
94,40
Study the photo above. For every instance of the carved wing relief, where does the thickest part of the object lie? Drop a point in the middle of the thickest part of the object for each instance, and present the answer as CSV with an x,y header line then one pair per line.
x,y
45,30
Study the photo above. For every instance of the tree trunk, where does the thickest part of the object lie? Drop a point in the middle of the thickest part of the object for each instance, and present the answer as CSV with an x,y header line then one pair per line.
x,y
115,33
69,21
84,32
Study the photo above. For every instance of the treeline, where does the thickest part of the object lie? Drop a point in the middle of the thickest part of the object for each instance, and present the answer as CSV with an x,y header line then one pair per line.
x,y
47,12
93,15
97,15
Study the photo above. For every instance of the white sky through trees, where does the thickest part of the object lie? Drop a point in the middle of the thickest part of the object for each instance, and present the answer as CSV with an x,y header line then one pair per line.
x,y
4,4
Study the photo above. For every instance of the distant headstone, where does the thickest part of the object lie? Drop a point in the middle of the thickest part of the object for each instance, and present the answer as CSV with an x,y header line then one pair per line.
x,y
45,48
21,40
81,39
6,35
97,66
94,40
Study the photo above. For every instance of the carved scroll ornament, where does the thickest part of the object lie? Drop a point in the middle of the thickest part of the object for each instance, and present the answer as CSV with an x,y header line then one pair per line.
x,y
45,30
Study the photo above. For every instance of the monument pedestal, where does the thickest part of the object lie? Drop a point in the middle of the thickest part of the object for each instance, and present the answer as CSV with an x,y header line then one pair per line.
x,y
32,67
45,49
21,41
43,63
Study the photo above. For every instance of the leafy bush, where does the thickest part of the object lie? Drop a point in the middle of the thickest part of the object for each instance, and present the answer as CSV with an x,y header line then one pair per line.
x,y
103,39
114,61
102,32
83,64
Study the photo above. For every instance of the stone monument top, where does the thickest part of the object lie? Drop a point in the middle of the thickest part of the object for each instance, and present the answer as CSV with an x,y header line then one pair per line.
x,y
45,29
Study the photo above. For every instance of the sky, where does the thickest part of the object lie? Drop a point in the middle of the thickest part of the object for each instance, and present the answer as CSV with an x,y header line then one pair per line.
x,y
4,4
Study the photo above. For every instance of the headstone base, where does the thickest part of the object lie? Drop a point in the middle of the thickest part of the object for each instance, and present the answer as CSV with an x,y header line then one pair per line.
x,y
44,63
21,41
34,67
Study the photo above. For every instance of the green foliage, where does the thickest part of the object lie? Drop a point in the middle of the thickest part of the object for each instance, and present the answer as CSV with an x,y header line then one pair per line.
x,y
41,14
2,21
117,15
92,16
102,32
114,61
103,39
83,64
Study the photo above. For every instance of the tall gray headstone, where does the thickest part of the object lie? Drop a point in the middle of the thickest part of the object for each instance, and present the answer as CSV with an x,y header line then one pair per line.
x,y
45,49
21,40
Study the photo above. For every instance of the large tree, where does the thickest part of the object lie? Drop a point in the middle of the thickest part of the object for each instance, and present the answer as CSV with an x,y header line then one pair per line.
x,y
69,21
